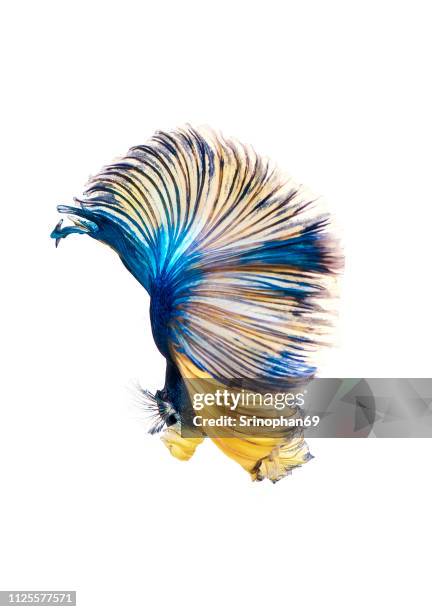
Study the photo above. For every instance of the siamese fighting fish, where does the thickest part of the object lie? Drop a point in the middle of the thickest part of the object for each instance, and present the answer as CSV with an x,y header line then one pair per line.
x,y
240,263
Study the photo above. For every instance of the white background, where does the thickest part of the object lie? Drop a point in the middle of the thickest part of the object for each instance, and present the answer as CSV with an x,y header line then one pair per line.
x,y
338,93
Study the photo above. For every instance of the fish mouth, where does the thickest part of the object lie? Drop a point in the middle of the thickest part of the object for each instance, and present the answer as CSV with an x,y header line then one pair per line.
x,y
81,219
160,410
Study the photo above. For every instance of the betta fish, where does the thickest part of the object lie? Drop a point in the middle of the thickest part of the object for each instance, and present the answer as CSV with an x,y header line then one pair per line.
x,y
239,262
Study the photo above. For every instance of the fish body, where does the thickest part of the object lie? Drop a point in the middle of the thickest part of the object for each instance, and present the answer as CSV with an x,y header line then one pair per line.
x,y
238,260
